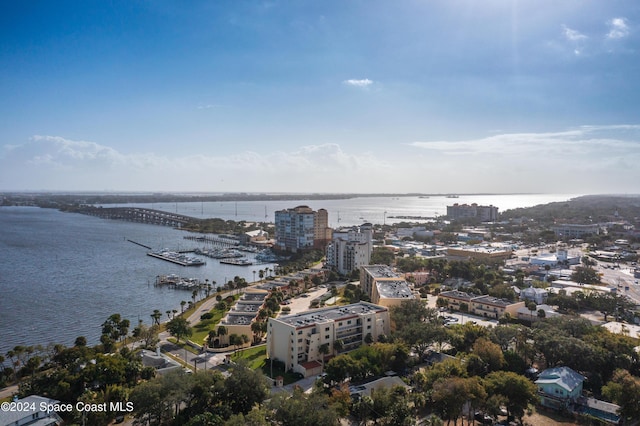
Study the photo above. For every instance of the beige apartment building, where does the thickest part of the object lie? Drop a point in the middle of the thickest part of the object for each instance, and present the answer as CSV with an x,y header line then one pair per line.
x,y
483,306
384,286
296,339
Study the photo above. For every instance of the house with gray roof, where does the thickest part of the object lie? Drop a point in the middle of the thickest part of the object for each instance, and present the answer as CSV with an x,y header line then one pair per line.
x,y
559,387
35,413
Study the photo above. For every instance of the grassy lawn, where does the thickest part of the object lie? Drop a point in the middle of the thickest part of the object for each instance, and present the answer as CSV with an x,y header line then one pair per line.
x,y
257,360
255,356
201,329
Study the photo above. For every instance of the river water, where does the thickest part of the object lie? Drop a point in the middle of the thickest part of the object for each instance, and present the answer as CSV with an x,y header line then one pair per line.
x,y
63,274
353,211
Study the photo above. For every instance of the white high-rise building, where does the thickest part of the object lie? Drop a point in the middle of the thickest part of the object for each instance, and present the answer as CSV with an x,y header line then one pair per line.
x,y
350,248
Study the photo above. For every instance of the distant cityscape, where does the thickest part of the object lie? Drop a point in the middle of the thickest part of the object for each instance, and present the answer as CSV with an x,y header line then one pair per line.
x,y
473,270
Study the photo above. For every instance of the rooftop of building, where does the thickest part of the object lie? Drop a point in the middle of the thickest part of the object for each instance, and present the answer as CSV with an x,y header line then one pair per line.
x,y
255,296
490,300
561,376
238,318
380,271
482,249
247,306
30,406
330,314
397,289
457,294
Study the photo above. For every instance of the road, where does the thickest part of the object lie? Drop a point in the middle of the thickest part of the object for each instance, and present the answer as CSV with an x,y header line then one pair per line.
x,y
620,277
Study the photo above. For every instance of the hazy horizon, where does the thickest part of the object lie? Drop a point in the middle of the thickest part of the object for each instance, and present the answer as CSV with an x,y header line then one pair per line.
x,y
455,96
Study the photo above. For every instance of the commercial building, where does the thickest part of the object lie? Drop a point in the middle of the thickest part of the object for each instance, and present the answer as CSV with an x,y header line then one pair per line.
x,y
350,248
384,286
570,230
296,340
483,253
301,228
484,306
472,211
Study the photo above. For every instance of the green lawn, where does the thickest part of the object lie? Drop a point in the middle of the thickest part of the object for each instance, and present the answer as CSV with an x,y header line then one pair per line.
x,y
257,359
255,356
201,329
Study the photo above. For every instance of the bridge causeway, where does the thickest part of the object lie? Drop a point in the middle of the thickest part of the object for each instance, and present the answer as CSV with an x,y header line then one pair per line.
x,y
139,215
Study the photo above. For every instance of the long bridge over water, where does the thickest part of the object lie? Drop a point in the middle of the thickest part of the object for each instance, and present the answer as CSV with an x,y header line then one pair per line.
x,y
140,215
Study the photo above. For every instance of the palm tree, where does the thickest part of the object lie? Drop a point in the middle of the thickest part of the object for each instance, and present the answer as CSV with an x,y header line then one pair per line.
x,y
222,331
323,350
211,337
156,315
338,346
182,303
208,287
256,328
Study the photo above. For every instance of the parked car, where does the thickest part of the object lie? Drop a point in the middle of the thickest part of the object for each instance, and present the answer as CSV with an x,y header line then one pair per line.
x,y
483,418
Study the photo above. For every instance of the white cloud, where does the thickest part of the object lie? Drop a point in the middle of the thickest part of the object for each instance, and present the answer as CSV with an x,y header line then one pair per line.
x,y
572,35
618,28
56,163
359,83
585,159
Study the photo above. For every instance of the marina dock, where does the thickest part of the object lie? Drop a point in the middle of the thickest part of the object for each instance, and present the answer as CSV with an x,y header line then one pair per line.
x,y
177,258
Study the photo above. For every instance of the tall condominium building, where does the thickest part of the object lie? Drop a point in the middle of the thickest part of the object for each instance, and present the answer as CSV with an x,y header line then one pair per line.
x,y
466,211
296,339
302,228
350,248
384,286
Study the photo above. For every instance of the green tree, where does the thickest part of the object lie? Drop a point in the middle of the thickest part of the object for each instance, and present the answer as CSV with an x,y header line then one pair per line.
x,y
179,327
382,256
156,315
244,388
303,409
624,390
517,390
585,275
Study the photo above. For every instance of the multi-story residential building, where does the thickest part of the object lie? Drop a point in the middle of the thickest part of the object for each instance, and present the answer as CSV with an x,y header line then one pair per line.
x,y
301,228
384,286
473,211
350,248
239,318
484,306
296,339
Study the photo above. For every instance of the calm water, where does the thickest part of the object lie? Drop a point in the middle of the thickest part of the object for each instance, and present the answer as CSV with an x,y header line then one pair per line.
x,y
63,274
354,211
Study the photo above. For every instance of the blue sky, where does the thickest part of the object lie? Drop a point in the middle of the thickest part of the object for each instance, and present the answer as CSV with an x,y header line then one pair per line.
x,y
321,96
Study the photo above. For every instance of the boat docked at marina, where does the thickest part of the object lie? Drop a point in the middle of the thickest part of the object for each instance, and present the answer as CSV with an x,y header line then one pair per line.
x,y
176,257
